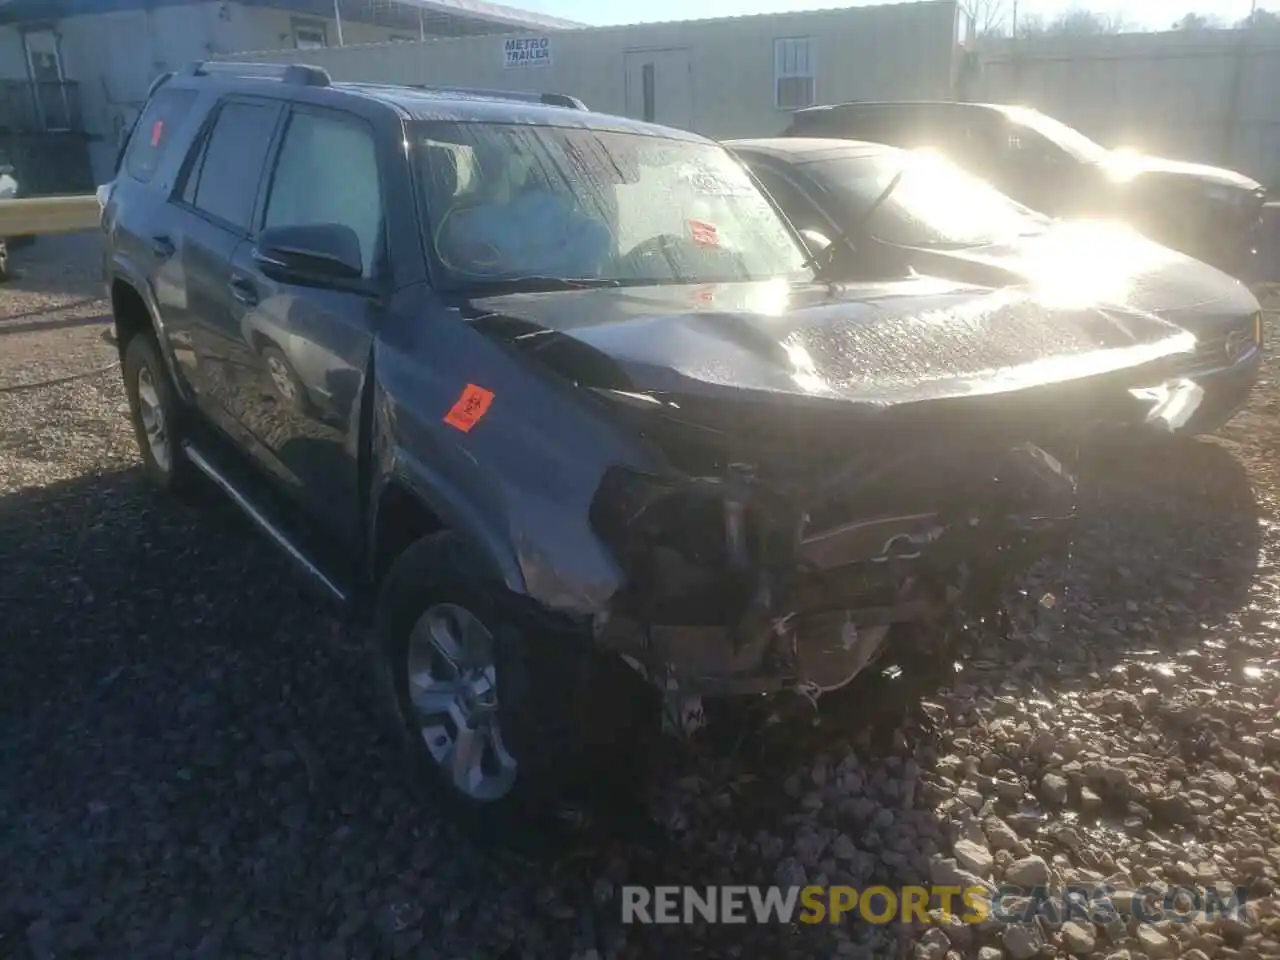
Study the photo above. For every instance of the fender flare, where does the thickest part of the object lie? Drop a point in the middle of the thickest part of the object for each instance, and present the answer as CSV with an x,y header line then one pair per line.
x,y
124,270
490,542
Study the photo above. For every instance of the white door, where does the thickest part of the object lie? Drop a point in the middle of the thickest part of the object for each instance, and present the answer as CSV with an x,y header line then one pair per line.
x,y
660,86
42,55
46,72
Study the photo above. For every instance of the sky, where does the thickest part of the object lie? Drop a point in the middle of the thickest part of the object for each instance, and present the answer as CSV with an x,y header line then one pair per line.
x,y
1142,13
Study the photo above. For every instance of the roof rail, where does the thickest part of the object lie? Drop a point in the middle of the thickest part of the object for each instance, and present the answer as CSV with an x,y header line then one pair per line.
x,y
550,99
563,100
159,82
299,73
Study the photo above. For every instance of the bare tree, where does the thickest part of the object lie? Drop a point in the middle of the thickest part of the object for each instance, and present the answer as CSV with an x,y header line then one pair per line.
x,y
1077,22
1032,25
1198,21
987,16
1261,19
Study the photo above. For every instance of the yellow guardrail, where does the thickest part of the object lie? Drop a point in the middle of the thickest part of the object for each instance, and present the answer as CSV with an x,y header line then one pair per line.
x,y
39,216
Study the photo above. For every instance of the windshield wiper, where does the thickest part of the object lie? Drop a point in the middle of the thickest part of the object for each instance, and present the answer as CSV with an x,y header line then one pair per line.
x,y
879,201
821,261
537,284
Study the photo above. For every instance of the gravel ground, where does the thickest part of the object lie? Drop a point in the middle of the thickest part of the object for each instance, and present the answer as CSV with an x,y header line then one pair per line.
x,y
189,767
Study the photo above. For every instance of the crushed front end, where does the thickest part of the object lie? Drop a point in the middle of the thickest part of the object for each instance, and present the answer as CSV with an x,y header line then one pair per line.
x,y
759,579
802,469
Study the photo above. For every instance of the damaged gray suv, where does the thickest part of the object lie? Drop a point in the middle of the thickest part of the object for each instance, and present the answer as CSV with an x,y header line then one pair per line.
x,y
557,398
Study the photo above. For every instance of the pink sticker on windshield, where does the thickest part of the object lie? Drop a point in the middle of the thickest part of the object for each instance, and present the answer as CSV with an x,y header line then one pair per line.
x,y
704,234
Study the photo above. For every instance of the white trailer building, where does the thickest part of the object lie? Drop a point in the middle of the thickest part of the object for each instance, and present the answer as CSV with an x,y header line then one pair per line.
x,y
74,73
734,77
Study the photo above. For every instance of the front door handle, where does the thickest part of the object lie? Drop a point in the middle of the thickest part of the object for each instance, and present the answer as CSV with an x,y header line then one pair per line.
x,y
242,289
162,248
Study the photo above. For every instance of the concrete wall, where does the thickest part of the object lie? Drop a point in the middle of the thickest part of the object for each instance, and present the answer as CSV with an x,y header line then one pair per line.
x,y
902,50
1176,93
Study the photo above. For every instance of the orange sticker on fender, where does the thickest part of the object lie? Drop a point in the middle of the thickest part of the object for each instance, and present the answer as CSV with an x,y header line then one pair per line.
x,y
470,408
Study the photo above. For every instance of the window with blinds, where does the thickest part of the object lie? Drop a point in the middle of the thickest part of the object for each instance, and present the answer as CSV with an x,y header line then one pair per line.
x,y
793,73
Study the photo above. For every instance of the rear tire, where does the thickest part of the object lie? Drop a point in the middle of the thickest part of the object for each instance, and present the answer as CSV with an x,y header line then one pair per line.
x,y
158,417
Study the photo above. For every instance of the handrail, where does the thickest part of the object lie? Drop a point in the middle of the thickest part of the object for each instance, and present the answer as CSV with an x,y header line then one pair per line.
x,y
40,216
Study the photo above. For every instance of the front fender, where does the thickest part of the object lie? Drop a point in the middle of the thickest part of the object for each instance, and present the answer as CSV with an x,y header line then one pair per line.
x,y
454,509
521,485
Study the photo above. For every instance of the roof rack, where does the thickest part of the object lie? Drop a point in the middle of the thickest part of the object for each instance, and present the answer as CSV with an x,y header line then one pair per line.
x,y
299,73
159,82
550,99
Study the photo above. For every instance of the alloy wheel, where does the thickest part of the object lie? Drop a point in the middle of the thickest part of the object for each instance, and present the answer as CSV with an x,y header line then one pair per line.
x,y
281,378
153,423
453,690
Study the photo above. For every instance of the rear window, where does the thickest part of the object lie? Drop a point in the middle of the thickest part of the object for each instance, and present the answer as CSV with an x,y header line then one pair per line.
x,y
154,130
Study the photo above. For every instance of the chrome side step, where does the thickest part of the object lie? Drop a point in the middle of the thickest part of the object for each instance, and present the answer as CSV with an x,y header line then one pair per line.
x,y
200,462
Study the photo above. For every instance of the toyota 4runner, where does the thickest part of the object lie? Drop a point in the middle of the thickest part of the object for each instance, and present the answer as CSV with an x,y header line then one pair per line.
x,y
555,397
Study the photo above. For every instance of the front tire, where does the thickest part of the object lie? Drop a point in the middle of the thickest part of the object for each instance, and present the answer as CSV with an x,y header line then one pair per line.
x,y
157,416
491,713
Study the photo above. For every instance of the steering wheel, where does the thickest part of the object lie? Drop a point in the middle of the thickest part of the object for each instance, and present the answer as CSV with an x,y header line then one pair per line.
x,y
668,246
488,263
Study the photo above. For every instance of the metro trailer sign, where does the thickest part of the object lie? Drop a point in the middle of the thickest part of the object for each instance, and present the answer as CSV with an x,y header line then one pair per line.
x,y
526,52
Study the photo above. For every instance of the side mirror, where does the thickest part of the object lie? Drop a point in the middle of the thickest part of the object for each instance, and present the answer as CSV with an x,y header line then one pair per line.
x,y
311,253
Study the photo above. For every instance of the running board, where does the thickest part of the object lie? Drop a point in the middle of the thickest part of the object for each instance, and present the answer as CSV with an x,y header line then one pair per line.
x,y
260,518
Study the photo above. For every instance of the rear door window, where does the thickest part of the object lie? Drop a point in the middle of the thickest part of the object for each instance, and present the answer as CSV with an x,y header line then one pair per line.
x,y
154,130
223,180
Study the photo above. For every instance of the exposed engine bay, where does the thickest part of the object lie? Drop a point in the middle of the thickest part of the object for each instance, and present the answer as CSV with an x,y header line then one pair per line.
x,y
796,488
736,588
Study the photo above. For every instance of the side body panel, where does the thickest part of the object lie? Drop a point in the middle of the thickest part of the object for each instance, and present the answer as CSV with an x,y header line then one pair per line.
x,y
520,481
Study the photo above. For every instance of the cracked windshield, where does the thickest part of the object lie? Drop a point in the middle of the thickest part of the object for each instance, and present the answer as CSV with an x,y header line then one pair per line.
x,y
509,202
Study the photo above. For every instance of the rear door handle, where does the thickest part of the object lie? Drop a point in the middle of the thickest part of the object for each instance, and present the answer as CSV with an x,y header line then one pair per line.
x,y
242,289
162,248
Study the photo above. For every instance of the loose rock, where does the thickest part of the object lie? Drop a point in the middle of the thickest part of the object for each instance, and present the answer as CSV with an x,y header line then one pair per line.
x,y
190,768
1079,937
1028,873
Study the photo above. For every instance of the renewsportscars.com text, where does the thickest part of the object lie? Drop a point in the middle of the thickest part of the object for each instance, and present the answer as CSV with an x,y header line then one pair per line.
x,y
880,904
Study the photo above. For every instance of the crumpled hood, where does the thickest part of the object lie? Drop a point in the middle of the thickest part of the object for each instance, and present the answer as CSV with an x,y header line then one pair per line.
x,y
879,344
1133,165
1104,263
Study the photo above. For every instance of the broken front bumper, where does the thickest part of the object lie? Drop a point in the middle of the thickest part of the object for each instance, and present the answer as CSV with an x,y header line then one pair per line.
x,y
768,612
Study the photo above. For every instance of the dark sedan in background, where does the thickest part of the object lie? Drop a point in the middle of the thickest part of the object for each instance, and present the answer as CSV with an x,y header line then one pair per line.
x,y
870,210
1208,212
